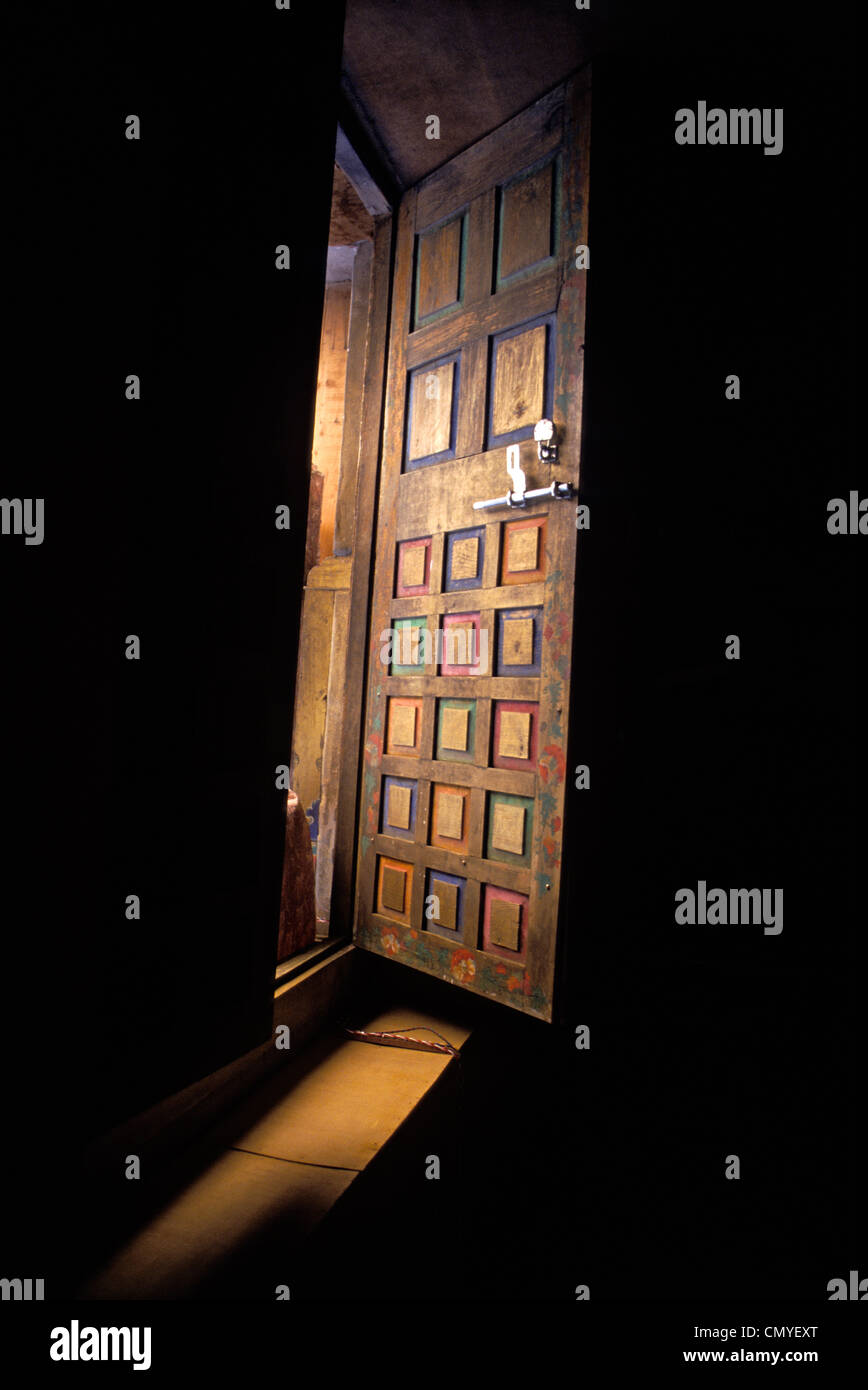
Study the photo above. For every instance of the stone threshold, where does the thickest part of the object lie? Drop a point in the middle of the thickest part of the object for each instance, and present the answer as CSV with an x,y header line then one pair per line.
x,y
280,1159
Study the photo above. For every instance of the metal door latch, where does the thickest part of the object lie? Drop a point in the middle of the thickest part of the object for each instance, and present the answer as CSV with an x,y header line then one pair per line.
x,y
544,432
546,437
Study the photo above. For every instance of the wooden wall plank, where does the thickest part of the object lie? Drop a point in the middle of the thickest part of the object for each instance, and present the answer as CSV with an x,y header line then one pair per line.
x,y
361,310
329,414
371,276
311,693
333,759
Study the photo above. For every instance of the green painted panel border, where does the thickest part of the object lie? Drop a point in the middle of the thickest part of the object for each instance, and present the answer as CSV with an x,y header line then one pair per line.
x,y
528,270
418,320
402,625
503,856
451,755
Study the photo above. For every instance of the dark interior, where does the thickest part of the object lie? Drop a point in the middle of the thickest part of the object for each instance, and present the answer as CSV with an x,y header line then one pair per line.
x,y
156,777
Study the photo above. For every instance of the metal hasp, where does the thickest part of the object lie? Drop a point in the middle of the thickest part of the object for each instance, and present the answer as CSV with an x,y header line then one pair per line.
x,y
545,435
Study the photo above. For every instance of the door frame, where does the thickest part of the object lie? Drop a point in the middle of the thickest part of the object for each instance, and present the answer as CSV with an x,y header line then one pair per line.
x,y
347,570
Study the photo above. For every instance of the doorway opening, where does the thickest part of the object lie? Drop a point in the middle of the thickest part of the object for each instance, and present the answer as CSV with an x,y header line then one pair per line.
x,y
316,893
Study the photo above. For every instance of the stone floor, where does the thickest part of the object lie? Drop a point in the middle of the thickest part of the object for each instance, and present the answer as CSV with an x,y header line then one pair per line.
x,y
289,1153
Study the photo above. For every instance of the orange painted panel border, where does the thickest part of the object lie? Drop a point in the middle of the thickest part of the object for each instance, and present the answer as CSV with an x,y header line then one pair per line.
x,y
511,528
442,814
399,703
493,895
409,555
387,869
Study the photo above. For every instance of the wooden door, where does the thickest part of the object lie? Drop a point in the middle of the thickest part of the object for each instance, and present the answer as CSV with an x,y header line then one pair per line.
x,y
460,845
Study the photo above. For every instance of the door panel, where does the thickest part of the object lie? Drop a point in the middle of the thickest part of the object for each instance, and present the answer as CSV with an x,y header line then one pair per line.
x,y
464,774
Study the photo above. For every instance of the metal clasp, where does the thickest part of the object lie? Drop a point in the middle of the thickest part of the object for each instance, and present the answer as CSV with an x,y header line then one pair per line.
x,y
546,437
519,497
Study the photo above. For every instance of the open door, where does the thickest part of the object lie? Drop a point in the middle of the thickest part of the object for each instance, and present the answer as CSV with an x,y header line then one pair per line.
x,y
460,842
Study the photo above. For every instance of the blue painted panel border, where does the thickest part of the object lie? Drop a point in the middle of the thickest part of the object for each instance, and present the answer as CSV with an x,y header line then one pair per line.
x,y
431,878
412,378
385,827
421,321
536,615
496,441
453,585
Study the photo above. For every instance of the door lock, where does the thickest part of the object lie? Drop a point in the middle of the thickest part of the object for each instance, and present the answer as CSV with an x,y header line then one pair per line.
x,y
545,435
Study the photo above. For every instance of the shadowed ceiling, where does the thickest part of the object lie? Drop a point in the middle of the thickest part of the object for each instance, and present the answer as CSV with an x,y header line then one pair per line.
x,y
472,63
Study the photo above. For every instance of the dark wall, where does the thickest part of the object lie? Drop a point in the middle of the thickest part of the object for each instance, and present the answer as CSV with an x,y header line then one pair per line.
x,y
154,777
708,518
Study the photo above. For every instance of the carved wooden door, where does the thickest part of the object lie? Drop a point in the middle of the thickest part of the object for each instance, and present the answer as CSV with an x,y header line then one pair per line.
x,y
460,845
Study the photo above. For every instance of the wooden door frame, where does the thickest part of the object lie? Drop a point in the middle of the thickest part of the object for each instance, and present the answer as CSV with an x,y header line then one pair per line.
x,y
345,574
360,456
311,986
357,498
